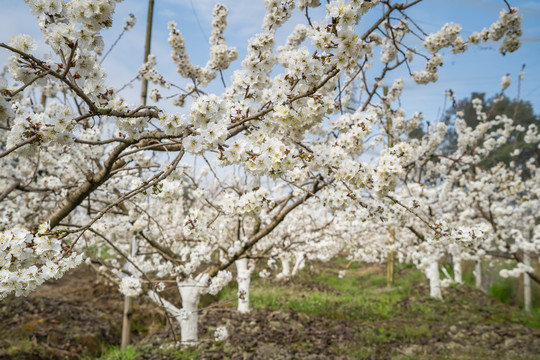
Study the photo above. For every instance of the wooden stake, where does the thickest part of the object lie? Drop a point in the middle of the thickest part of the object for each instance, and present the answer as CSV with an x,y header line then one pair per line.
x,y
390,259
128,300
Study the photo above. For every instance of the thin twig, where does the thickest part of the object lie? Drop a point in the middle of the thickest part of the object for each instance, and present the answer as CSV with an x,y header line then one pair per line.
x,y
19,145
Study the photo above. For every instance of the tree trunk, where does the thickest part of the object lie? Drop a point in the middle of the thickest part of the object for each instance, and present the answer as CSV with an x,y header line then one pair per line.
x,y
286,267
478,274
244,279
458,275
191,293
434,280
390,270
187,317
299,262
128,300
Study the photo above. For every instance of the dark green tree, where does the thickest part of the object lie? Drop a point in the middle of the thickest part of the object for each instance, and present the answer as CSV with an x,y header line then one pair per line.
x,y
521,112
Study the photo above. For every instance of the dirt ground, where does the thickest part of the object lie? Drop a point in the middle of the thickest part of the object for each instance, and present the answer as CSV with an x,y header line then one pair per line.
x,y
79,317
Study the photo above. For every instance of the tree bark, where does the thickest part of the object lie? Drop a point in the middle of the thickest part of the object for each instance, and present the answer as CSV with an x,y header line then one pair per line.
x,y
75,198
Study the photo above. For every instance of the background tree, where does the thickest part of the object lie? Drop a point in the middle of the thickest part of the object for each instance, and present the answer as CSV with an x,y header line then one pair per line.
x,y
520,111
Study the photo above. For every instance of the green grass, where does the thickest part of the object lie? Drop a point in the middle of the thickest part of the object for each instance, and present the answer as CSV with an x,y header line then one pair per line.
x,y
504,290
115,353
348,298
24,345
189,353
138,352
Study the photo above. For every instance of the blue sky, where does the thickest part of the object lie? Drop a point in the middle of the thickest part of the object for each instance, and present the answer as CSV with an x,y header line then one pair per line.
x,y
480,69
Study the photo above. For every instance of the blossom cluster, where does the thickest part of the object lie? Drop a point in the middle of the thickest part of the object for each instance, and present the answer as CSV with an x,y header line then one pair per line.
x,y
517,271
221,55
221,334
27,260
219,281
130,286
508,26
149,72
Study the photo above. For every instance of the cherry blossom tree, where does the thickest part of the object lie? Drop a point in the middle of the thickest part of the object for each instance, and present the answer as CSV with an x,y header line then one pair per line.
x,y
82,159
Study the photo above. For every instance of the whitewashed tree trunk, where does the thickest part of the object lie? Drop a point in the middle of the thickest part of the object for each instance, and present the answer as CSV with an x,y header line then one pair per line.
x,y
446,274
190,290
478,274
244,279
434,280
458,274
527,284
286,267
191,293
128,300
172,310
299,262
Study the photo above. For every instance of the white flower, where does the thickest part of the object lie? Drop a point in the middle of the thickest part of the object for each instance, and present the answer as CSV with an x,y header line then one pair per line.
x,y
130,286
160,287
221,333
219,282
23,42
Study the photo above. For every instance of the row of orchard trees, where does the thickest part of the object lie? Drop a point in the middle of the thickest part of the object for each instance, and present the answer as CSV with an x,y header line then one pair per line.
x,y
286,175
492,211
